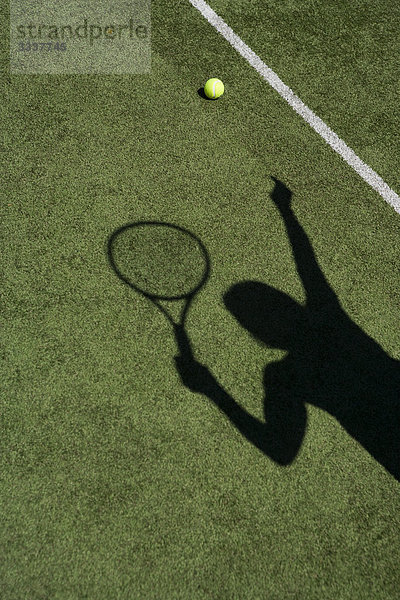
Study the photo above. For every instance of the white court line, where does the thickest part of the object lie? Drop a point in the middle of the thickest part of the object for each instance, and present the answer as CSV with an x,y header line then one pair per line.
x,y
372,178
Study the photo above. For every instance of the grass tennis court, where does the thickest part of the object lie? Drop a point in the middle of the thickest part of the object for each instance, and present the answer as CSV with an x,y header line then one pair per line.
x,y
266,465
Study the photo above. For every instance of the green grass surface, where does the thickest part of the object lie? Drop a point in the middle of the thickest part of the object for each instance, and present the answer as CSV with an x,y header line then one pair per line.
x,y
117,481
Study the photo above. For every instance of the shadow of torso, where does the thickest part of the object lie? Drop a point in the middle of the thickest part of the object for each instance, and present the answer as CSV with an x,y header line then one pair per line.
x,y
343,371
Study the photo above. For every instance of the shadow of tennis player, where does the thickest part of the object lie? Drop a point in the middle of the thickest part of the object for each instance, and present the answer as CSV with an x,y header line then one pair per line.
x,y
331,363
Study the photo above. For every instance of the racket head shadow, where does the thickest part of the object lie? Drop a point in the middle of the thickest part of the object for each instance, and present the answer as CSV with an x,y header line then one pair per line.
x,y
159,260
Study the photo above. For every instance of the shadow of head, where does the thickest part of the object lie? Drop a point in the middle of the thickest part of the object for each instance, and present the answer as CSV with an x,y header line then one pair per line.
x,y
269,315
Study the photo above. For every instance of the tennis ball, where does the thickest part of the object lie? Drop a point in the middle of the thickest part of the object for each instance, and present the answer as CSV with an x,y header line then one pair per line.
x,y
214,88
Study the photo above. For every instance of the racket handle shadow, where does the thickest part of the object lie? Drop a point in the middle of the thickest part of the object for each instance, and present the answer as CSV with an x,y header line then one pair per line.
x,y
183,342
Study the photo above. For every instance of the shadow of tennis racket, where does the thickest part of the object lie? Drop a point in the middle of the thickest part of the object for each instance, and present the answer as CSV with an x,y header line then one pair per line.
x,y
164,263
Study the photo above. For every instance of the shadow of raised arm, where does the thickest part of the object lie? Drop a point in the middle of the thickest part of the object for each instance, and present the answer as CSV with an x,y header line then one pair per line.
x,y
317,289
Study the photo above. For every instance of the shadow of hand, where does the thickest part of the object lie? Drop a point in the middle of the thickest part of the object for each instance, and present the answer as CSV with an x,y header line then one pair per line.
x,y
281,195
195,376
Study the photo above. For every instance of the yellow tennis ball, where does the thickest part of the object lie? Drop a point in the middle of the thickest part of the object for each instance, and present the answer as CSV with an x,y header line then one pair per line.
x,y
214,88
